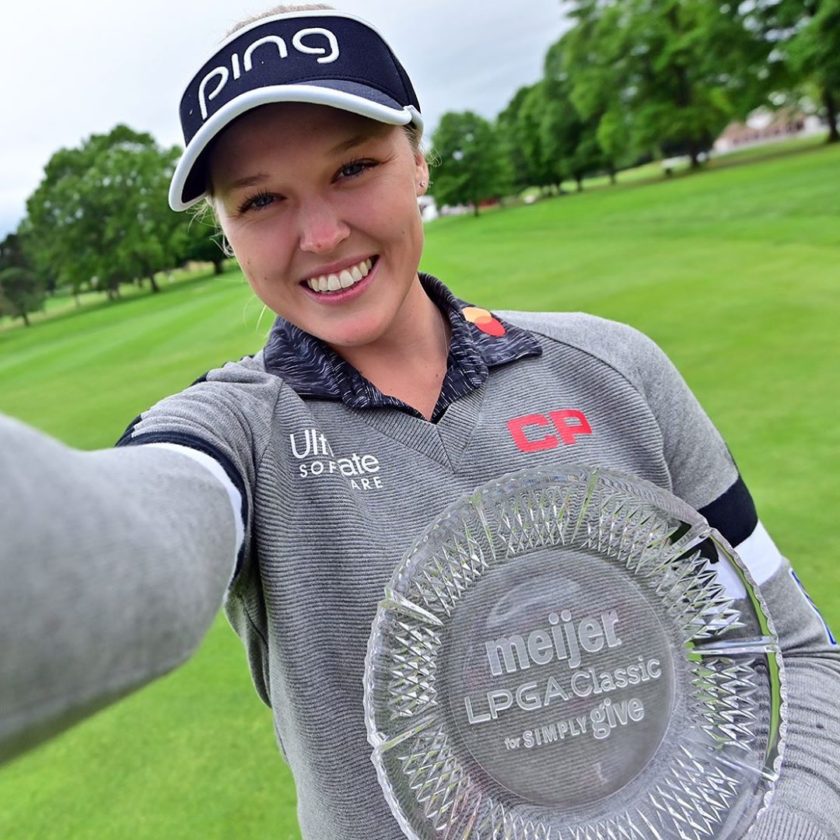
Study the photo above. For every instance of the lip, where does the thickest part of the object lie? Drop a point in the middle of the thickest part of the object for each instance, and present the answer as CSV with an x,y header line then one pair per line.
x,y
343,295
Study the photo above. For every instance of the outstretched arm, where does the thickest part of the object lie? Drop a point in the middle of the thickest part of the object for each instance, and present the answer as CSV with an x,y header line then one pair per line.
x,y
112,567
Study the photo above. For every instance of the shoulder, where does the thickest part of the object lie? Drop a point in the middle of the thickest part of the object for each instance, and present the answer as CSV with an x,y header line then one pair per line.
x,y
576,327
237,399
247,371
621,347
244,387
245,379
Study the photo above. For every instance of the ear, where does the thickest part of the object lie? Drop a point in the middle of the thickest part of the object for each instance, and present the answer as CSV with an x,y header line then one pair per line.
x,y
421,173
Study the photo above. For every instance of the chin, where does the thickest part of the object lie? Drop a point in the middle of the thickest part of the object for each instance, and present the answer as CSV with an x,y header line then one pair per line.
x,y
351,340
359,332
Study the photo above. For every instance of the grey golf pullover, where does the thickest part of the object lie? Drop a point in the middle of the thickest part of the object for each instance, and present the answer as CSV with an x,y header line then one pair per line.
x,y
334,495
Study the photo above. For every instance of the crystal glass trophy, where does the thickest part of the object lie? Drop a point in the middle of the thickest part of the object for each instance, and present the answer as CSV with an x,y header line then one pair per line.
x,y
574,655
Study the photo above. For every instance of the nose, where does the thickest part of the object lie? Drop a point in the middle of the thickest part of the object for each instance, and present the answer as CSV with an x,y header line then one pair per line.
x,y
321,226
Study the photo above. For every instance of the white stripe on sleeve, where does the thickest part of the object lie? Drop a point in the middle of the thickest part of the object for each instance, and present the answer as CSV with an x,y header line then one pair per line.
x,y
759,554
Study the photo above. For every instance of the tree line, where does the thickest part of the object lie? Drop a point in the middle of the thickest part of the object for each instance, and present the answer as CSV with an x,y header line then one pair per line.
x,y
635,80
100,219
631,80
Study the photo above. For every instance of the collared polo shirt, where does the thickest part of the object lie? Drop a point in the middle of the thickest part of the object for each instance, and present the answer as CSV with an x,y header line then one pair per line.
x,y
479,342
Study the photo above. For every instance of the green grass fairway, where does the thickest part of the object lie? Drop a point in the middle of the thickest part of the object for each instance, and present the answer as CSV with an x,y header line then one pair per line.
x,y
734,271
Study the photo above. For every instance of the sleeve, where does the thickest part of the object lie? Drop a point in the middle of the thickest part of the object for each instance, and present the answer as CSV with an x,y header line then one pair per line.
x,y
806,801
113,564
226,416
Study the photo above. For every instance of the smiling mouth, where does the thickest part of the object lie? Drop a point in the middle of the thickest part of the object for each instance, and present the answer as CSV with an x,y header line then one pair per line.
x,y
344,279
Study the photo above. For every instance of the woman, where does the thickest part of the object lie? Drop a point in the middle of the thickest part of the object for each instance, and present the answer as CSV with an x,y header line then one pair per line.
x,y
378,400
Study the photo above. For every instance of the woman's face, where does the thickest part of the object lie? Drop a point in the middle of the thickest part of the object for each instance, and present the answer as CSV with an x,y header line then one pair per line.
x,y
320,208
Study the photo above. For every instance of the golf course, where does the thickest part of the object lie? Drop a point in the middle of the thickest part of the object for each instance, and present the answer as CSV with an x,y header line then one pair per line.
x,y
733,270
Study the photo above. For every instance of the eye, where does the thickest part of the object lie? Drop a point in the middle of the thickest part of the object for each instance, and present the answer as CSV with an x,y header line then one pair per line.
x,y
257,202
355,168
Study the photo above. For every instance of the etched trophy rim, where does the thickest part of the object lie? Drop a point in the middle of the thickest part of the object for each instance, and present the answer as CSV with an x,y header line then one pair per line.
x,y
508,485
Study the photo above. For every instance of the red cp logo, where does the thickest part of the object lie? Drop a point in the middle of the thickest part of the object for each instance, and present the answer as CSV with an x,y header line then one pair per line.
x,y
564,426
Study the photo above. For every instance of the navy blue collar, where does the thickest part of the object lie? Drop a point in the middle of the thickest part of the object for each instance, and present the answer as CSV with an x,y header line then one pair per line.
x,y
479,342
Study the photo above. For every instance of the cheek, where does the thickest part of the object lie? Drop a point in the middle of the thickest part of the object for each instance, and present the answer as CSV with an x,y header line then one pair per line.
x,y
260,250
256,269
400,220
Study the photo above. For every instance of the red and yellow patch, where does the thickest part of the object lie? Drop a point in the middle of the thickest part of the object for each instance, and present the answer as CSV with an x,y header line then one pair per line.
x,y
484,320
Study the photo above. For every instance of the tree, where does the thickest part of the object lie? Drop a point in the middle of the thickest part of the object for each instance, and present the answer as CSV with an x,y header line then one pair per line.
x,y
818,50
21,292
518,139
538,118
568,137
101,212
589,54
680,69
805,40
11,252
470,166
522,139
200,240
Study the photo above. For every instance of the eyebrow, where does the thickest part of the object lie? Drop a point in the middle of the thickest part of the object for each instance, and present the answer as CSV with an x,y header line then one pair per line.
x,y
351,142
248,181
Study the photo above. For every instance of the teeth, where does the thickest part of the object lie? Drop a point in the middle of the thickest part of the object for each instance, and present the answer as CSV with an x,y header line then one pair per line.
x,y
343,280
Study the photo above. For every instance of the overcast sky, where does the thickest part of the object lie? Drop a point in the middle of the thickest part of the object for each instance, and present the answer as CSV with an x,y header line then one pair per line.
x,y
72,69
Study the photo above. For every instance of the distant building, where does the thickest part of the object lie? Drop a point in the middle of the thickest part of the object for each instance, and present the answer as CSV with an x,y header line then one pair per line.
x,y
766,126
